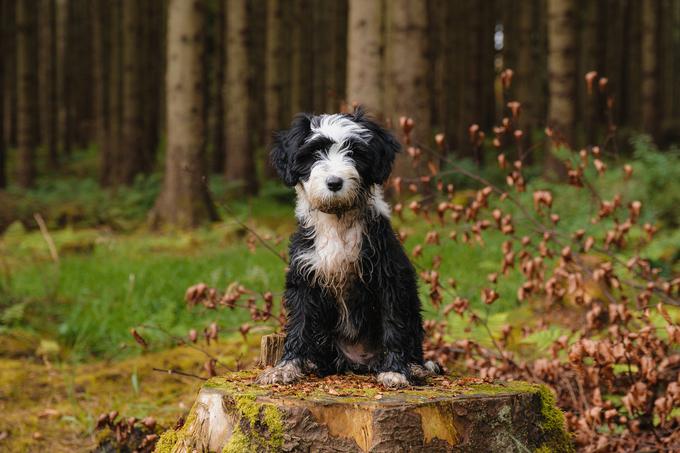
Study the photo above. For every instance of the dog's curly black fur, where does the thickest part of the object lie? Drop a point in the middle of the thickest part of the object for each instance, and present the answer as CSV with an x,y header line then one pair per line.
x,y
351,293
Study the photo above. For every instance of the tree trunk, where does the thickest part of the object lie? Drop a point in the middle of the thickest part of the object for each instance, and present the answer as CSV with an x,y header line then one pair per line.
x,y
109,166
101,69
337,56
10,87
153,70
561,77
258,44
301,58
27,90
131,160
365,62
240,163
184,200
5,67
526,81
353,414
471,80
48,81
63,81
217,105
407,93
275,56
650,69
590,57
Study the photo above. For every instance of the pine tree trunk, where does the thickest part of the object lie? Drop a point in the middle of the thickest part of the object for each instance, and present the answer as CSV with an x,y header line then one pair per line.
x,y
301,58
365,63
561,76
48,81
650,98
27,102
109,167
591,57
100,77
63,82
132,155
184,200
471,61
3,70
217,106
275,55
11,76
152,71
526,82
258,44
321,44
240,160
407,93
337,56
81,72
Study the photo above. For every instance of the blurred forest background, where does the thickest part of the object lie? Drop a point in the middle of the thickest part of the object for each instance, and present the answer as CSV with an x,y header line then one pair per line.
x,y
83,74
134,137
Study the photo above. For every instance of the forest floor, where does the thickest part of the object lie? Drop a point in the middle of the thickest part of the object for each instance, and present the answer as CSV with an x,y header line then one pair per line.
x,y
66,353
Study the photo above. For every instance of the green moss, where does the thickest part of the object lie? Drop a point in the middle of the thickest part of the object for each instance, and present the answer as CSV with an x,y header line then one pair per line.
x,y
166,442
171,437
238,442
557,439
273,420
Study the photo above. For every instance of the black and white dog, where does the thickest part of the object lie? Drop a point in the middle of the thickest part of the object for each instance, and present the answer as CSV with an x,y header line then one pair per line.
x,y
351,293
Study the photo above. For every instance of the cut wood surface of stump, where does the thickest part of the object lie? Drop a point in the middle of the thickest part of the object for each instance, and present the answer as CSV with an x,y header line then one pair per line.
x,y
352,413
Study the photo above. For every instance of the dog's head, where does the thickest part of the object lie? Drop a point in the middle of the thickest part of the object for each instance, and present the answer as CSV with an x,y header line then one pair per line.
x,y
334,159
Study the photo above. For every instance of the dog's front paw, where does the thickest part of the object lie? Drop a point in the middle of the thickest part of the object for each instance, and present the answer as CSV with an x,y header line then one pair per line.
x,y
283,373
430,368
392,380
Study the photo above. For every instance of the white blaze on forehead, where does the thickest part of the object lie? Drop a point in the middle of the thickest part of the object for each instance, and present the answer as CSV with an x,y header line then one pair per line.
x,y
338,128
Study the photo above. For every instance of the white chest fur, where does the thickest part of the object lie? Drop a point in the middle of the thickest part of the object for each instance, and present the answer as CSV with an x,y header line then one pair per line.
x,y
334,257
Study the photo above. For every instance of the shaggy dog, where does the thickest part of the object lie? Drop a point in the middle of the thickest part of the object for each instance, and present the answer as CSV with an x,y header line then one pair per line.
x,y
351,294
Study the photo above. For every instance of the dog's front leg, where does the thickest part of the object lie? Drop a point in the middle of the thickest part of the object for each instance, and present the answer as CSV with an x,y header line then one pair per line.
x,y
306,337
402,331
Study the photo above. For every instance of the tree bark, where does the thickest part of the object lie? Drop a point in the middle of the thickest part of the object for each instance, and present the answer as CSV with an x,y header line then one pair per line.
x,y
63,82
337,82
152,71
109,166
471,77
101,49
4,68
301,58
217,106
561,77
48,81
526,81
131,160
650,69
275,55
365,61
27,102
590,59
407,93
10,86
240,163
184,200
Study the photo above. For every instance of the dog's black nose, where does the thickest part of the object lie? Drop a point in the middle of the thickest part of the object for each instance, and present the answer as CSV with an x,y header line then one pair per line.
x,y
334,183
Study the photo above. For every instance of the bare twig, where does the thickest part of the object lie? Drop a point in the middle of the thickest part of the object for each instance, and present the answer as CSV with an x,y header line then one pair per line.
x,y
180,373
46,235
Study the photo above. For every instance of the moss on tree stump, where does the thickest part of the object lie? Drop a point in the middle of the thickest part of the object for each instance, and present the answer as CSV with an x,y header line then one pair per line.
x,y
353,414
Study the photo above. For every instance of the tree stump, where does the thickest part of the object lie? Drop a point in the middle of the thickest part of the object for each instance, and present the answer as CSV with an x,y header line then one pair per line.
x,y
353,413
271,349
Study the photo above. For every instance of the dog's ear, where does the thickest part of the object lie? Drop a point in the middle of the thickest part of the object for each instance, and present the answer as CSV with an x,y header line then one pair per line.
x,y
286,145
383,144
